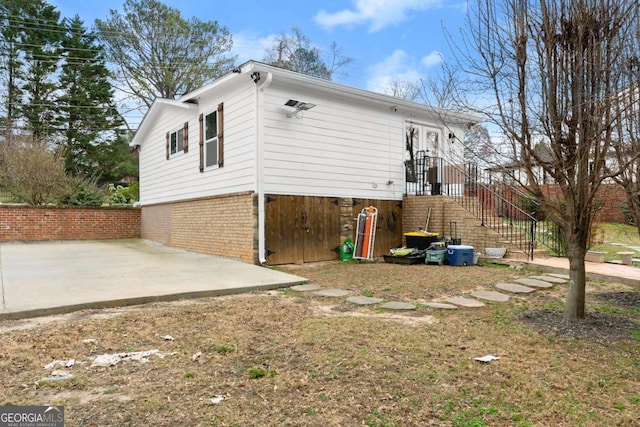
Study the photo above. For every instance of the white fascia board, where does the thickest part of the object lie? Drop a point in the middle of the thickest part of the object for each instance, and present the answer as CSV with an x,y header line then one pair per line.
x,y
159,104
449,116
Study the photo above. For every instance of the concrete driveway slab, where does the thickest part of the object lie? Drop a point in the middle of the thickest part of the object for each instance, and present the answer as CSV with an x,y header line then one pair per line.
x,y
46,278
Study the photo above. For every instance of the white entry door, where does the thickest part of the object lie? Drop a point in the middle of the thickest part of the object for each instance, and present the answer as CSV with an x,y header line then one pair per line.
x,y
422,158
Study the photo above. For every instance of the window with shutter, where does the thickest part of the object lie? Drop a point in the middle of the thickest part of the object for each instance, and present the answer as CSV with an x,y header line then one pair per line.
x,y
213,139
176,141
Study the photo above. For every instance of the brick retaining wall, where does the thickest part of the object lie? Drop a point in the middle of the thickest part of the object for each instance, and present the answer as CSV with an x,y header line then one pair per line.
x,y
444,211
34,223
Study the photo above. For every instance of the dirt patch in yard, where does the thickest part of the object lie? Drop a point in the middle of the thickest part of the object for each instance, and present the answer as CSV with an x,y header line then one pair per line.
x,y
287,358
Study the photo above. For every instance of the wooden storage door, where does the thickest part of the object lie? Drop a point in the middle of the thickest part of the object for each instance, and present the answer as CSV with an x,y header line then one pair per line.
x,y
301,229
283,241
321,232
389,225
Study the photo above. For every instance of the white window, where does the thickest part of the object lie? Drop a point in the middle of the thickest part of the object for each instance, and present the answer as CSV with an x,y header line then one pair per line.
x,y
211,140
176,143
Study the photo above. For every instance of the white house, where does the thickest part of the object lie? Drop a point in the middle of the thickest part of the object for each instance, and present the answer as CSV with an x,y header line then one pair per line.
x,y
267,165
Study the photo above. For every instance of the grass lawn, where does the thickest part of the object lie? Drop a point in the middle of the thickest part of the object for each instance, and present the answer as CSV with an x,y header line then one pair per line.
x,y
286,358
610,233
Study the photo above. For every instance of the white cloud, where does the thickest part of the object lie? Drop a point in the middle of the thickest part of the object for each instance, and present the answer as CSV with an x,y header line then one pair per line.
x,y
377,13
248,46
400,67
432,59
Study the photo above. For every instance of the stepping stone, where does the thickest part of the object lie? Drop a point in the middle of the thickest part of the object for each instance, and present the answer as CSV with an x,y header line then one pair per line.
x,y
441,305
559,275
516,289
398,305
534,283
362,300
550,279
490,296
331,293
465,302
305,288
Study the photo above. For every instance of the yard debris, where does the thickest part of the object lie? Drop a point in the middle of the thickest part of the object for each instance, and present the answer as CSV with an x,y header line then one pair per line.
x,y
59,376
196,356
168,338
115,358
62,363
218,398
486,359
90,341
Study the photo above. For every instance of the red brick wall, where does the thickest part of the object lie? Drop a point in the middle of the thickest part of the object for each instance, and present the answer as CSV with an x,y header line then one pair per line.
x,y
32,223
609,196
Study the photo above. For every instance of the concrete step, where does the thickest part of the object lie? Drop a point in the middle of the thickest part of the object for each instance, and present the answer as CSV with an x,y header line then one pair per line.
x,y
519,255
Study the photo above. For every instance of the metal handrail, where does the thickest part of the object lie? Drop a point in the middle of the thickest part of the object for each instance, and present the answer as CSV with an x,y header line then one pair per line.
x,y
499,205
496,209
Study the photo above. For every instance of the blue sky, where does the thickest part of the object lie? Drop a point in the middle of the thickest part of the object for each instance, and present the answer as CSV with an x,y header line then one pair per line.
x,y
388,39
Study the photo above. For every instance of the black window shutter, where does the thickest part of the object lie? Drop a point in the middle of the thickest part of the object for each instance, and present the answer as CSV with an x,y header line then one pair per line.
x,y
168,136
220,135
185,144
201,141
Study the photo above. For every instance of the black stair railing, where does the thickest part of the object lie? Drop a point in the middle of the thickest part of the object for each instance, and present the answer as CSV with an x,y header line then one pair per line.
x,y
505,208
496,208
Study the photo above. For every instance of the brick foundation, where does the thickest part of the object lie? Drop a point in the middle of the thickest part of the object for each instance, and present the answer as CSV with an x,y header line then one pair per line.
x,y
444,211
224,226
35,223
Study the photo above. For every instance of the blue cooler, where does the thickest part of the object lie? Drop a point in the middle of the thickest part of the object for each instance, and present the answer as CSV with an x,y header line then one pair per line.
x,y
459,255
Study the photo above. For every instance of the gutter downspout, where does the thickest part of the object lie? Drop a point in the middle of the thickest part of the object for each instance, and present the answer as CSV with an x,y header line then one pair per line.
x,y
260,88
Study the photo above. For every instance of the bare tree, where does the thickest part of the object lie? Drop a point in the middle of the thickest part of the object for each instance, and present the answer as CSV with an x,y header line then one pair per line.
x,y
403,89
32,173
627,131
553,70
158,53
296,52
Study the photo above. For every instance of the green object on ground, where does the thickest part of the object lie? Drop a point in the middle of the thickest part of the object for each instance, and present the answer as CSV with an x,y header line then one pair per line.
x,y
346,250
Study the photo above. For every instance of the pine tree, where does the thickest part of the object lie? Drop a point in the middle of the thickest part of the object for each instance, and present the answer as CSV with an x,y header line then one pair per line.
x,y
11,64
88,115
41,36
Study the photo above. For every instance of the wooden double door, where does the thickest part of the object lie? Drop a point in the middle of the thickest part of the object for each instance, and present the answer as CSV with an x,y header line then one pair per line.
x,y
307,228
301,228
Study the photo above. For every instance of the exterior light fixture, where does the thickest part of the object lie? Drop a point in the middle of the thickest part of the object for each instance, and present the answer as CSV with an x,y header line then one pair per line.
x,y
299,107
452,137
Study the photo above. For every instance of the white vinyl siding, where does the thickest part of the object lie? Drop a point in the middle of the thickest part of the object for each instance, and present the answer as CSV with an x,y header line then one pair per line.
x,y
335,149
180,178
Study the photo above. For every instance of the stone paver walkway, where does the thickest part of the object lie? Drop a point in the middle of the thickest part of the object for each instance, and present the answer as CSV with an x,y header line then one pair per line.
x,y
522,286
464,302
515,288
490,296
534,283
362,300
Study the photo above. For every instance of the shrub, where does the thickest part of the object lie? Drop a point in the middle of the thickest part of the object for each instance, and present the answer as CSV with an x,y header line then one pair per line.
x,y
30,172
83,192
122,195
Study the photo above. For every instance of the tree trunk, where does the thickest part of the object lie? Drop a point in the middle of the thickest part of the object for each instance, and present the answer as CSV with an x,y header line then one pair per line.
x,y
575,307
